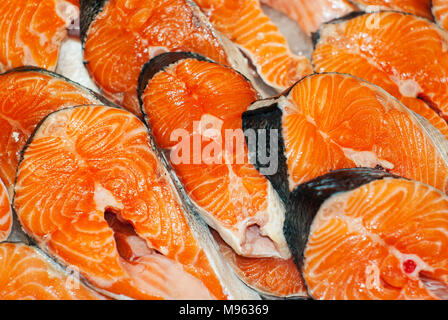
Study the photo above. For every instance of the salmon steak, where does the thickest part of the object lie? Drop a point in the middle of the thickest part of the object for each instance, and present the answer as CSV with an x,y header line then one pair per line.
x,y
244,22
365,234
372,47
420,8
231,196
121,36
92,192
199,103
27,274
27,95
33,32
310,15
440,12
271,277
333,121
5,213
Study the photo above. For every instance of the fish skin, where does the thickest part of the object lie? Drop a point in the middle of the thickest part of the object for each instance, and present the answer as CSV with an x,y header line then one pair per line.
x,y
266,47
268,118
35,89
418,87
261,274
345,210
114,274
292,111
222,214
26,273
40,29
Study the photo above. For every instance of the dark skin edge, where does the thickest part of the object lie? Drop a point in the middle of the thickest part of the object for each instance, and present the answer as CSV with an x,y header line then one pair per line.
x,y
269,118
25,69
89,9
306,199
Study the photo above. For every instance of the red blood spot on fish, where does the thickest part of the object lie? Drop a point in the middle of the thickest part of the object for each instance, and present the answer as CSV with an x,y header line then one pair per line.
x,y
409,266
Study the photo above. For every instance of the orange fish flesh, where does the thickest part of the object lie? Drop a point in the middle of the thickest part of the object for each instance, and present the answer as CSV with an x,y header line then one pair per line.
x,y
92,192
362,234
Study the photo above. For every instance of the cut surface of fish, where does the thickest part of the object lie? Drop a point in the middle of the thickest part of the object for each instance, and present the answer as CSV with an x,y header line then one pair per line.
x,y
27,95
359,234
440,12
120,36
33,32
332,121
420,8
244,22
27,274
194,107
5,213
272,277
310,15
380,48
92,191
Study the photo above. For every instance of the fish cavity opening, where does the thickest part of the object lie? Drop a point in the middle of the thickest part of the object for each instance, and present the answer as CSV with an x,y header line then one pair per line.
x,y
130,245
255,243
152,272
435,286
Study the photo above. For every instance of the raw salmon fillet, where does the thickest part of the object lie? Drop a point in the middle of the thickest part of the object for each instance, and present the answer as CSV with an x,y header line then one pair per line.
x,y
26,274
420,8
310,15
272,277
91,191
27,95
121,36
244,22
33,32
381,48
5,213
361,234
440,12
333,121
191,106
